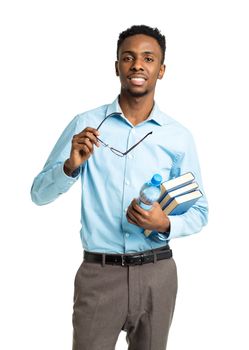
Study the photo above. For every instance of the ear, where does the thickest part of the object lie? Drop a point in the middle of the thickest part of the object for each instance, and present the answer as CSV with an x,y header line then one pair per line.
x,y
161,71
116,69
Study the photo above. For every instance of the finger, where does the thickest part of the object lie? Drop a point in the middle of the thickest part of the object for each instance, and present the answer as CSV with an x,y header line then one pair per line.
x,y
138,209
92,137
83,144
135,216
130,220
91,133
84,151
131,215
92,130
89,136
87,140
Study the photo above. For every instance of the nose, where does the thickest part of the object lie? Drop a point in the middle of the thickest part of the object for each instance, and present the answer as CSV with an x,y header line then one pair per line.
x,y
137,65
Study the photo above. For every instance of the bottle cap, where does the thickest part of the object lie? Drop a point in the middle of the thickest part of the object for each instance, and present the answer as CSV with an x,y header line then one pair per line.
x,y
156,179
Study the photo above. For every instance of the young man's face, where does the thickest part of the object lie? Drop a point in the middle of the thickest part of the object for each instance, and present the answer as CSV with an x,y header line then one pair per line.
x,y
139,65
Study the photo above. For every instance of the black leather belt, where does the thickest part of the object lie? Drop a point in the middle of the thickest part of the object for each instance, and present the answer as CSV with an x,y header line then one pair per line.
x,y
129,259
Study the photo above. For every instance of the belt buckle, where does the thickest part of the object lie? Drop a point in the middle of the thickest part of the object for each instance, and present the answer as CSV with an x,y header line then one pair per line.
x,y
133,260
141,259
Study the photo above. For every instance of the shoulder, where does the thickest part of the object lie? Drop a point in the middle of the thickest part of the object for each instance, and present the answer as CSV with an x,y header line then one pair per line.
x,y
91,118
174,126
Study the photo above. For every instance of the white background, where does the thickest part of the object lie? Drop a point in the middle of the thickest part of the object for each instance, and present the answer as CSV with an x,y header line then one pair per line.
x,y
57,60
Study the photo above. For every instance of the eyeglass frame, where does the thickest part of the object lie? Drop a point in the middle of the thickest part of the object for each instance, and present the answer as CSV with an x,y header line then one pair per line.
x,y
114,150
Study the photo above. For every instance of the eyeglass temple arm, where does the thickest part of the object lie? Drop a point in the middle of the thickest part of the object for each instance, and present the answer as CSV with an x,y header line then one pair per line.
x,y
109,115
130,149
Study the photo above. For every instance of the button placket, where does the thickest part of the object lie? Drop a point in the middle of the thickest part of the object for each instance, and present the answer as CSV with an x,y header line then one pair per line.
x,y
128,186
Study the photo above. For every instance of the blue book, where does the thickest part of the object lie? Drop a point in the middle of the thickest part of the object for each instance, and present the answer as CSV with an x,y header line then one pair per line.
x,y
178,195
179,191
175,184
181,204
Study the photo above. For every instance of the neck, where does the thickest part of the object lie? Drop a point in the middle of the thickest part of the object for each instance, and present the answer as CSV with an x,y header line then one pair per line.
x,y
136,109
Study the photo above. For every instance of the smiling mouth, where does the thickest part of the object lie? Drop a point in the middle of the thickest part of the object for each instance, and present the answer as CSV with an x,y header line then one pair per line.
x,y
138,81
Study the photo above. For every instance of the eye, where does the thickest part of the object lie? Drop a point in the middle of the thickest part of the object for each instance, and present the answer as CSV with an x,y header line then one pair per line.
x,y
128,58
149,59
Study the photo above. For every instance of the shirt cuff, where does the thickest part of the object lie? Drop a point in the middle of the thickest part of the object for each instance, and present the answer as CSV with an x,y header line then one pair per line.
x,y
63,181
75,173
176,226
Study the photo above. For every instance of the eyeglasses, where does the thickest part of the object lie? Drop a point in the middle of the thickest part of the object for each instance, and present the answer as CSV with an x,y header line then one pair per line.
x,y
114,150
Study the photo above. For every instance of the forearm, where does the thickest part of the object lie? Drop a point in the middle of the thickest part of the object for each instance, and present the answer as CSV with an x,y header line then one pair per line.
x,y
190,222
52,181
50,184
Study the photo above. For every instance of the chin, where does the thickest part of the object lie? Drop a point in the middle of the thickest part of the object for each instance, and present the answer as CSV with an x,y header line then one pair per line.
x,y
137,93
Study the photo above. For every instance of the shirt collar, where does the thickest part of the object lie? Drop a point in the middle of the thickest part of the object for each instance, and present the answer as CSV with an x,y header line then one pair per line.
x,y
156,114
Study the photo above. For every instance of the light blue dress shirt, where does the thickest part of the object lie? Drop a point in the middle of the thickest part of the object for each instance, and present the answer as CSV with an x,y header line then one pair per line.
x,y
109,183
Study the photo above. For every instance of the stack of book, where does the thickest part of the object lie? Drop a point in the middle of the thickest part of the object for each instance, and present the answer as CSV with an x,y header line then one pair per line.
x,y
178,195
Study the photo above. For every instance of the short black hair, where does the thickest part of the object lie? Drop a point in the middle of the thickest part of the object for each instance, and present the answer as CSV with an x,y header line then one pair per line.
x,y
146,30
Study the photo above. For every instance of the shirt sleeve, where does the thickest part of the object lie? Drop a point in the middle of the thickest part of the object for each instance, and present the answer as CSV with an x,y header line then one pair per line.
x,y
52,181
197,216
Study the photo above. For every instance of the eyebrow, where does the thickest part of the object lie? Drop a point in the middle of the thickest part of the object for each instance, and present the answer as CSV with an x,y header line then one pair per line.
x,y
132,52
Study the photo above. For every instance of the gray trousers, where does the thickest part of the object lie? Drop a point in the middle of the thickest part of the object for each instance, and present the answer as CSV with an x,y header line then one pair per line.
x,y
137,299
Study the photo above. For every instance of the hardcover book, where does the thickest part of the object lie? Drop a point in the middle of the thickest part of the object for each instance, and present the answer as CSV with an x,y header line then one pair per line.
x,y
176,183
179,191
178,195
181,204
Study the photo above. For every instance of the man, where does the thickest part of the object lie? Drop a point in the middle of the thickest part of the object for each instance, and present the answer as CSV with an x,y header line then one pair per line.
x,y
127,281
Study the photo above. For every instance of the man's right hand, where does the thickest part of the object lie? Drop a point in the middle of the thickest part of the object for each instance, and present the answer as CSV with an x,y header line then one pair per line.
x,y
82,148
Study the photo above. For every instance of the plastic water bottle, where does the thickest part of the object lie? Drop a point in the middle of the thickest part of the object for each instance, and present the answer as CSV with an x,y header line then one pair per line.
x,y
150,192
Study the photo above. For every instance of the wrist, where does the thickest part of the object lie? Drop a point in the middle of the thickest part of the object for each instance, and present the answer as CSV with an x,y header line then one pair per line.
x,y
68,168
165,226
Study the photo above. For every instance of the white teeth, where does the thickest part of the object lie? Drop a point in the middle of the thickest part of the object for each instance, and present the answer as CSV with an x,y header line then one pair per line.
x,y
138,79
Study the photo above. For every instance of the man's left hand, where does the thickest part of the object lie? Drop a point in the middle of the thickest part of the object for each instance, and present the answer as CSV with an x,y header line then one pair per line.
x,y
153,219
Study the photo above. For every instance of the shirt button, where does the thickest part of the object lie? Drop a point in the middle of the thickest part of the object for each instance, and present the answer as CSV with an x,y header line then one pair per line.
x,y
127,235
127,182
125,210
130,156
